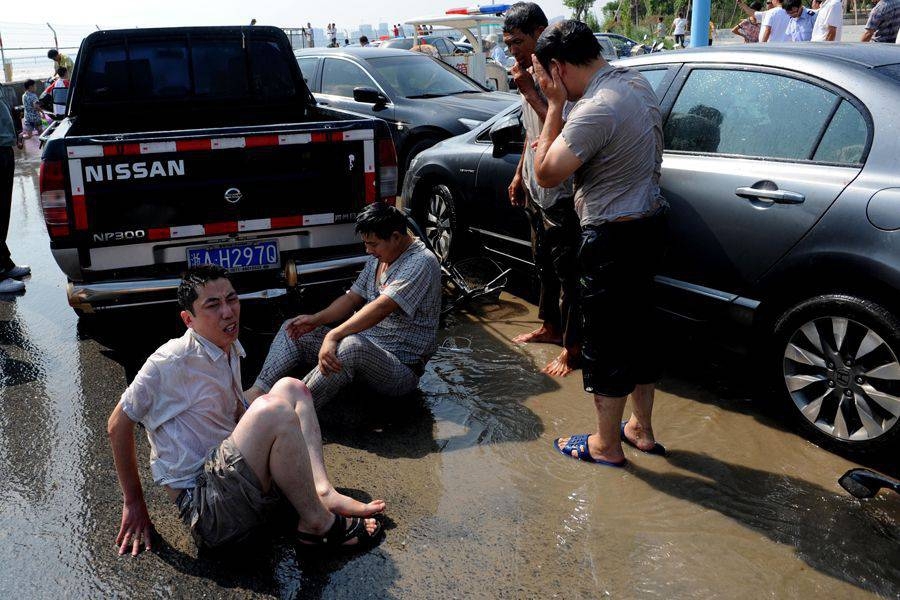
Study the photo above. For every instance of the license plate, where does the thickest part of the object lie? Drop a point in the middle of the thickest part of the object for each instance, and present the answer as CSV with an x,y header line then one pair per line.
x,y
249,256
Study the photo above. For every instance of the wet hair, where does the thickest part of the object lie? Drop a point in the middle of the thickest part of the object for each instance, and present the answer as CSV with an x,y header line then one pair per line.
x,y
568,41
29,83
524,16
382,220
197,277
62,71
52,53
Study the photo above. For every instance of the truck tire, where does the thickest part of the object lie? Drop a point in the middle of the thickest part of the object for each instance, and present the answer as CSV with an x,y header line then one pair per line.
x,y
837,359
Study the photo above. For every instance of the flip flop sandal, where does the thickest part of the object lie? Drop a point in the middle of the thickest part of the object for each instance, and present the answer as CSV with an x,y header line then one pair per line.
x,y
340,533
577,447
657,449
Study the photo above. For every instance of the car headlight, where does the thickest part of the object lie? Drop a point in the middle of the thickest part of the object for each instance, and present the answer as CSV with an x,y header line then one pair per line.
x,y
470,123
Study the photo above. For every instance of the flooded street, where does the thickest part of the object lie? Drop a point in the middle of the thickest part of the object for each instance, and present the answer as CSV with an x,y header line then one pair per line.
x,y
480,505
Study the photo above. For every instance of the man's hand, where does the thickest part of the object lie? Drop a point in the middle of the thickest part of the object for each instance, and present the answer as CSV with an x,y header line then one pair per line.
x,y
551,83
328,360
301,325
136,528
516,191
523,80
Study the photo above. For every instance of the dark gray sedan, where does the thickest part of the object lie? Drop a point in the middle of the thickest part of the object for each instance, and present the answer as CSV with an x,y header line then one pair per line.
x,y
782,168
424,99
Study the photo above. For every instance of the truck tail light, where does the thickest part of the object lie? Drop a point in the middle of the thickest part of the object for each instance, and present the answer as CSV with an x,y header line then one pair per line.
x,y
387,169
53,198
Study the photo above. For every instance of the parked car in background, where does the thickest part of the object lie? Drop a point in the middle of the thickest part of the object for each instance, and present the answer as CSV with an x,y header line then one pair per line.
x,y
423,99
444,45
607,50
624,46
784,223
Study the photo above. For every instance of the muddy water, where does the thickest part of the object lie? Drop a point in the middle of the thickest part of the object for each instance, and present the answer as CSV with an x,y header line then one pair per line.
x,y
480,504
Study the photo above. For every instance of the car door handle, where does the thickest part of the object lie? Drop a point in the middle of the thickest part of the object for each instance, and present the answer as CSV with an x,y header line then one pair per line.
x,y
776,196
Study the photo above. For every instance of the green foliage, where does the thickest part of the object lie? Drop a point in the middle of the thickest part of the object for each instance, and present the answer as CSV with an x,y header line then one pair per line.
x,y
591,21
724,13
580,8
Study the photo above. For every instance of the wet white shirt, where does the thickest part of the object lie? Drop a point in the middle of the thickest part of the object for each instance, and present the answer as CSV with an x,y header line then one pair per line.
x,y
830,13
186,396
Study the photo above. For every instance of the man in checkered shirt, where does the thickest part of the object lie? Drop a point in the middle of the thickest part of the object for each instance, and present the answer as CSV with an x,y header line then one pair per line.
x,y
388,319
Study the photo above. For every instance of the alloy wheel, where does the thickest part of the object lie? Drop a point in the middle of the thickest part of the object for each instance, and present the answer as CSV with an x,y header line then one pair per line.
x,y
438,226
843,378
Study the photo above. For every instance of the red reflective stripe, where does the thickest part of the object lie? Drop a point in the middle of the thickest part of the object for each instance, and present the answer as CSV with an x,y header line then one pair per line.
x,y
278,222
187,145
255,141
370,187
80,209
223,227
58,230
158,233
319,137
121,149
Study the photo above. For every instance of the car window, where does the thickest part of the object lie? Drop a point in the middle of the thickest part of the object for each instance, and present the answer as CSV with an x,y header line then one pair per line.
x,y
339,77
744,113
307,67
655,77
417,76
845,139
442,46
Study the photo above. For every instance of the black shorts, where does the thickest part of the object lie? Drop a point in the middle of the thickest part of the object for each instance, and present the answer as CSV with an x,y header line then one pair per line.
x,y
620,334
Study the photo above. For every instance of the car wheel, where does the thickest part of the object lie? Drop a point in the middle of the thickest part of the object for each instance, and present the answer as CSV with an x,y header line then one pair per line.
x,y
441,221
839,364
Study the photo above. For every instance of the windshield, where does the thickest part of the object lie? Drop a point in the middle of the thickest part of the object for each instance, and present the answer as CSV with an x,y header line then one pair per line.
x,y
418,76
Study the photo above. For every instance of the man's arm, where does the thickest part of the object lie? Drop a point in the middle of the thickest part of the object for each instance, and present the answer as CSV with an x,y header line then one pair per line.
x,y
831,34
554,162
368,316
766,32
525,84
516,192
867,35
136,525
341,308
750,12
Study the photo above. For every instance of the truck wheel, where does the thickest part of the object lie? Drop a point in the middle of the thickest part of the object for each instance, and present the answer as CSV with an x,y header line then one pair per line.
x,y
837,360
441,223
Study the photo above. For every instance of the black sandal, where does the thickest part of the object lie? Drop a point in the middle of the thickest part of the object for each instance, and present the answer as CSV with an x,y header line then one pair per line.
x,y
340,533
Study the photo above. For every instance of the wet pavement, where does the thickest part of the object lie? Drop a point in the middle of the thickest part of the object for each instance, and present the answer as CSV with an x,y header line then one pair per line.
x,y
479,503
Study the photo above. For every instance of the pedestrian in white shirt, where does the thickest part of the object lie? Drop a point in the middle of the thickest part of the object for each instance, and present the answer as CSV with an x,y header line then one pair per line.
x,y
829,22
679,28
773,23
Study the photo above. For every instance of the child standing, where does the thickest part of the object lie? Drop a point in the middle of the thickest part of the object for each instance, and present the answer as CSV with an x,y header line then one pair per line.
x,y
32,123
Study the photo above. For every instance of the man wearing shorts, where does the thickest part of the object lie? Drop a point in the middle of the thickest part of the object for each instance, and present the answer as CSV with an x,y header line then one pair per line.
x,y
612,142
388,319
225,464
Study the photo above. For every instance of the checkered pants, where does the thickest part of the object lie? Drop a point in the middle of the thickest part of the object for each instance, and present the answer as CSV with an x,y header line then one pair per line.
x,y
361,360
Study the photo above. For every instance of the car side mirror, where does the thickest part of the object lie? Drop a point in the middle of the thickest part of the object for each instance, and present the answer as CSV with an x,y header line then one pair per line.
x,y
507,137
369,96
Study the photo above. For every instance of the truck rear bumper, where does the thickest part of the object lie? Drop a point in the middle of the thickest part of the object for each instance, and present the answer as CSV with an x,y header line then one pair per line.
x,y
105,295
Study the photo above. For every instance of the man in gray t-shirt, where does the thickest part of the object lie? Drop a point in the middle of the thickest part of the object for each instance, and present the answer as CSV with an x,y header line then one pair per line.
x,y
555,231
612,142
388,320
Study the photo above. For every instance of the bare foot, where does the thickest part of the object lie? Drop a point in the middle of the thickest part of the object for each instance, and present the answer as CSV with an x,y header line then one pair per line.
x,y
543,334
562,365
641,437
371,525
345,505
611,453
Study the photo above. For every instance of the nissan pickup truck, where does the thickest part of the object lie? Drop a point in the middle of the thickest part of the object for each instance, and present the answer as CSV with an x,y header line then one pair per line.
x,y
183,146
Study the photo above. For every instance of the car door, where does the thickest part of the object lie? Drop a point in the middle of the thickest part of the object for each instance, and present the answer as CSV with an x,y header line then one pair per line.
x,y
747,172
502,227
339,77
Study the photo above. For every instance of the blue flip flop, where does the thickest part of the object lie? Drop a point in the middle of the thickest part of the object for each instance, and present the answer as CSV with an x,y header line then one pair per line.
x,y
657,449
579,443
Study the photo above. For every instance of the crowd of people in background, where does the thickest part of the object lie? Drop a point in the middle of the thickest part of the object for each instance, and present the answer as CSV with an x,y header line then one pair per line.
x,y
791,21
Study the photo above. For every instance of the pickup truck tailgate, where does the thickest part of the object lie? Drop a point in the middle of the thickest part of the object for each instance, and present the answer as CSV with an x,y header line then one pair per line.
x,y
212,183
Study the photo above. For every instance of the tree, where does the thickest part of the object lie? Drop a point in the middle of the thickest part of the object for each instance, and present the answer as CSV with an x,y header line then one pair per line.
x,y
580,8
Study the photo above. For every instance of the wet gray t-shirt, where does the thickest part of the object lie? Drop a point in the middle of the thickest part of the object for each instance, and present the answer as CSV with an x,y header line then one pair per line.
x,y
543,197
616,130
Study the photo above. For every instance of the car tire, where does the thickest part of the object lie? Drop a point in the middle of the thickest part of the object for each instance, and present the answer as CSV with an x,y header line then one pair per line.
x,y
441,223
837,359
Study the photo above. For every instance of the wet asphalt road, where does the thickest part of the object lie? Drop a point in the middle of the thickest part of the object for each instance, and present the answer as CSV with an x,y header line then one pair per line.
x,y
479,503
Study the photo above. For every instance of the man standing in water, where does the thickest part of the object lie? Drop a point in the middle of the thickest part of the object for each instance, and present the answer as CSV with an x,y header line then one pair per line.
x,y
612,142
555,230
223,464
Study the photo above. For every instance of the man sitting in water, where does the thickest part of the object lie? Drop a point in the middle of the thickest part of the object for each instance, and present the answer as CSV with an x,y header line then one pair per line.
x,y
223,463
388,319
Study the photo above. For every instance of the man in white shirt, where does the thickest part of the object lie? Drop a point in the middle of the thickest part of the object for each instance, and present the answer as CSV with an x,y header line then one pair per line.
x,y
225,464
829,22
773,23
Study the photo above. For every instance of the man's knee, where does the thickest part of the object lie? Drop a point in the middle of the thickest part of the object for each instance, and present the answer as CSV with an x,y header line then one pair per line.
x,y
292,390
350,349
273,410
